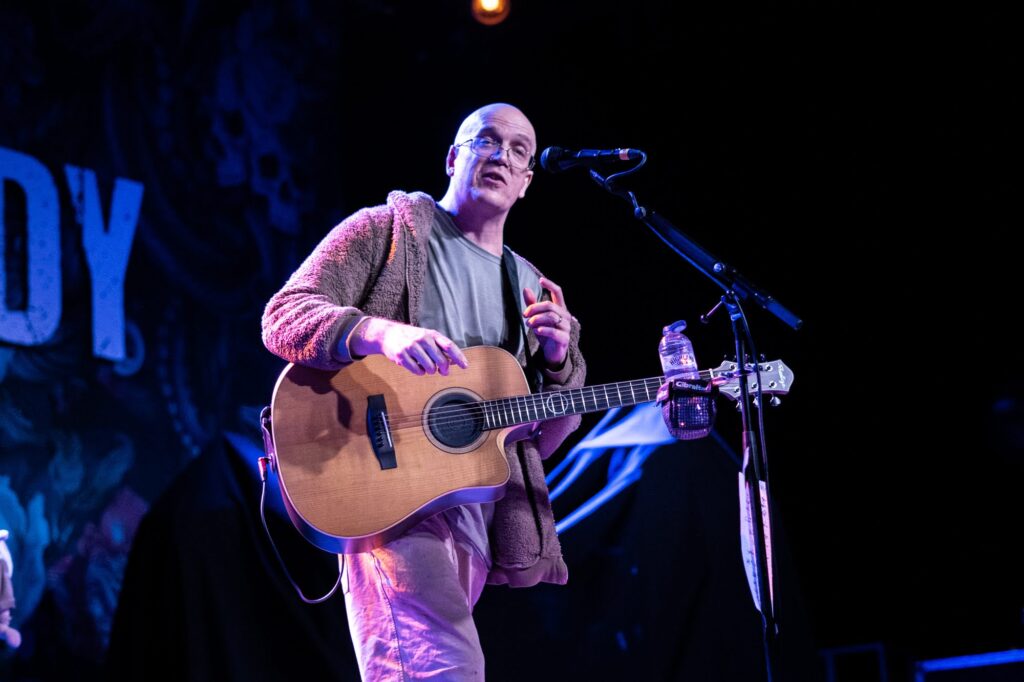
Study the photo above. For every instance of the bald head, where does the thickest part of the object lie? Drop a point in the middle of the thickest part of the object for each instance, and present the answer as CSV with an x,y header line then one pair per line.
x,y
483,186
499,111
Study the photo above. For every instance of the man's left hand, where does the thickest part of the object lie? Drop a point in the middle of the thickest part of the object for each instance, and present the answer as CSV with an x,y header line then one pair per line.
x,y
550,321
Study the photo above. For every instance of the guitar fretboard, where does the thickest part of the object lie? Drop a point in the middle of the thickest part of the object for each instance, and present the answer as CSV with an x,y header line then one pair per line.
x,y
504,412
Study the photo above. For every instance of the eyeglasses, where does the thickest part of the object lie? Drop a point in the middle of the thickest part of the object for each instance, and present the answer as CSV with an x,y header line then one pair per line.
x,y
519,157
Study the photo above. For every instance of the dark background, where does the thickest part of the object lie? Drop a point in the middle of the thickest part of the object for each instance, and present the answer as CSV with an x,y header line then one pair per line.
x,y
854,160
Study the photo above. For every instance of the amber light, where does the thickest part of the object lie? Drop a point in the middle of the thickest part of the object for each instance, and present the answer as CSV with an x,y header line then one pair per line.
x,y
490,12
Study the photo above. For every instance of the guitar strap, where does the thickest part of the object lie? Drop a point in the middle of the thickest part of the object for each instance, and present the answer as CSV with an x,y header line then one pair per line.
x,y
514,317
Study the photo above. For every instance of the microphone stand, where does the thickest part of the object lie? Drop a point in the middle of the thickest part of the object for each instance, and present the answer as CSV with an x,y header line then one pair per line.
x,y
757,500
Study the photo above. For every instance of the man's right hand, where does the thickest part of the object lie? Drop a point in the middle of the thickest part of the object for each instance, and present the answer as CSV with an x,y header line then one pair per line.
x,y
419,350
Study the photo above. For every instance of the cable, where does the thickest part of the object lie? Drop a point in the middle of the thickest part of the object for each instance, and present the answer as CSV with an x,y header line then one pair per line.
x,y
263,518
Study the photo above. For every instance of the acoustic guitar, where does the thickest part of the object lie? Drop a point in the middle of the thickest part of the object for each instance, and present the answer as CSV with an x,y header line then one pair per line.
x,y
365,452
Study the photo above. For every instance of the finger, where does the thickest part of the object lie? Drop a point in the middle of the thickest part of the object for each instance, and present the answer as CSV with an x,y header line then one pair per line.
x,y
556,291
436,355
404,359
544,307
419,354
551,317
554,333
453,351
528,296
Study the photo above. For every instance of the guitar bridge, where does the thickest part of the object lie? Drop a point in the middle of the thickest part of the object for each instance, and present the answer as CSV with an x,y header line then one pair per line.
x,y
379,432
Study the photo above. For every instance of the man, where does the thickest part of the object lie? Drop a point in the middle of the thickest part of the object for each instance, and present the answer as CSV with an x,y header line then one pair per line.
x,y
415,280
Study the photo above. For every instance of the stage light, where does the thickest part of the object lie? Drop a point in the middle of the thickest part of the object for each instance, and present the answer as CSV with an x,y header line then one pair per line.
x,y
490,12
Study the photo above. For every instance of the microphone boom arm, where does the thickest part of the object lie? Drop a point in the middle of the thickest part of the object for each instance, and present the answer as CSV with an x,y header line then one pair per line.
x,y
724,275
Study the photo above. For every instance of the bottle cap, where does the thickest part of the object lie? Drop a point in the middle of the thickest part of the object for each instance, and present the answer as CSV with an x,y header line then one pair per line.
x,y
676,327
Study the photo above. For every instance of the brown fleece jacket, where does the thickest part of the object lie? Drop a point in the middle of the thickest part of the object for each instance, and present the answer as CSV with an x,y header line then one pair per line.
x,y
375,263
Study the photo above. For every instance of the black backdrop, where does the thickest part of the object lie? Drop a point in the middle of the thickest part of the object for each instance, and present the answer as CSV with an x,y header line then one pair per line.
x,y
854,160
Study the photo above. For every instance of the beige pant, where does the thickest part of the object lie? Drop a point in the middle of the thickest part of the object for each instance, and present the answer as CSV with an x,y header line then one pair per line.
x,y
410,607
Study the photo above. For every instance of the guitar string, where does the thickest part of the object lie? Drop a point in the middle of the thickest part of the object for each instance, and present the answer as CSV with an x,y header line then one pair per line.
x,y
470,412
538,397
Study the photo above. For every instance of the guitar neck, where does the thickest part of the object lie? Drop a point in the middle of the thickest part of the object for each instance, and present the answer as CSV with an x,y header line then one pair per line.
x,y
504,412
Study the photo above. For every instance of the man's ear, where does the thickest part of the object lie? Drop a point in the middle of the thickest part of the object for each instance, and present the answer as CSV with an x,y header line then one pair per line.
x,y
449,161
527,178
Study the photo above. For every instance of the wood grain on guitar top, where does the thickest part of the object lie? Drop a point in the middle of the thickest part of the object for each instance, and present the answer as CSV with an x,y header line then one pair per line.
x,y
329,472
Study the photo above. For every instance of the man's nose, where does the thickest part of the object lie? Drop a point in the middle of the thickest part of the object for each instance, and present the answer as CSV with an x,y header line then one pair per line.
x,y
501,154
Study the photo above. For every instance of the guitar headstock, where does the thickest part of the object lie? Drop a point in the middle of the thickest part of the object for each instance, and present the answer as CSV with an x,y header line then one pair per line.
x,y
776,378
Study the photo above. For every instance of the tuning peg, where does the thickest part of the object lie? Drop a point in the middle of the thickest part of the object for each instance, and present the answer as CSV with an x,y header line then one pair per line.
x,y
761,357
756,402
739,407
775,401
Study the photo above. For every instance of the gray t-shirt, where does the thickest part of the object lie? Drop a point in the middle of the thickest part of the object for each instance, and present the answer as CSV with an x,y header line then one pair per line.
x,y
462,295
463,299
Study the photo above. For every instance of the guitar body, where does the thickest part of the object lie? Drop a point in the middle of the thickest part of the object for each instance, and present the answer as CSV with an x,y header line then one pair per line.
x,y
346,495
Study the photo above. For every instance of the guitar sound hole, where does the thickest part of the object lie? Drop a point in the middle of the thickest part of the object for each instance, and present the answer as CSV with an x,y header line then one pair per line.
x,y
456,420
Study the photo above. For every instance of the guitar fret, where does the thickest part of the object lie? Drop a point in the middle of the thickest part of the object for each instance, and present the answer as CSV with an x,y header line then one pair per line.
x,y
523,409
536,407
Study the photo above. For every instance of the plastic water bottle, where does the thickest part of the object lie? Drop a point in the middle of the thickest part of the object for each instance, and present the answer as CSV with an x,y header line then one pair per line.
x,y
689,414
677,359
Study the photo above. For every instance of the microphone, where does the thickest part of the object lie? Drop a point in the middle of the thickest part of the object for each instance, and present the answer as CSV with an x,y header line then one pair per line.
x,y
557,159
